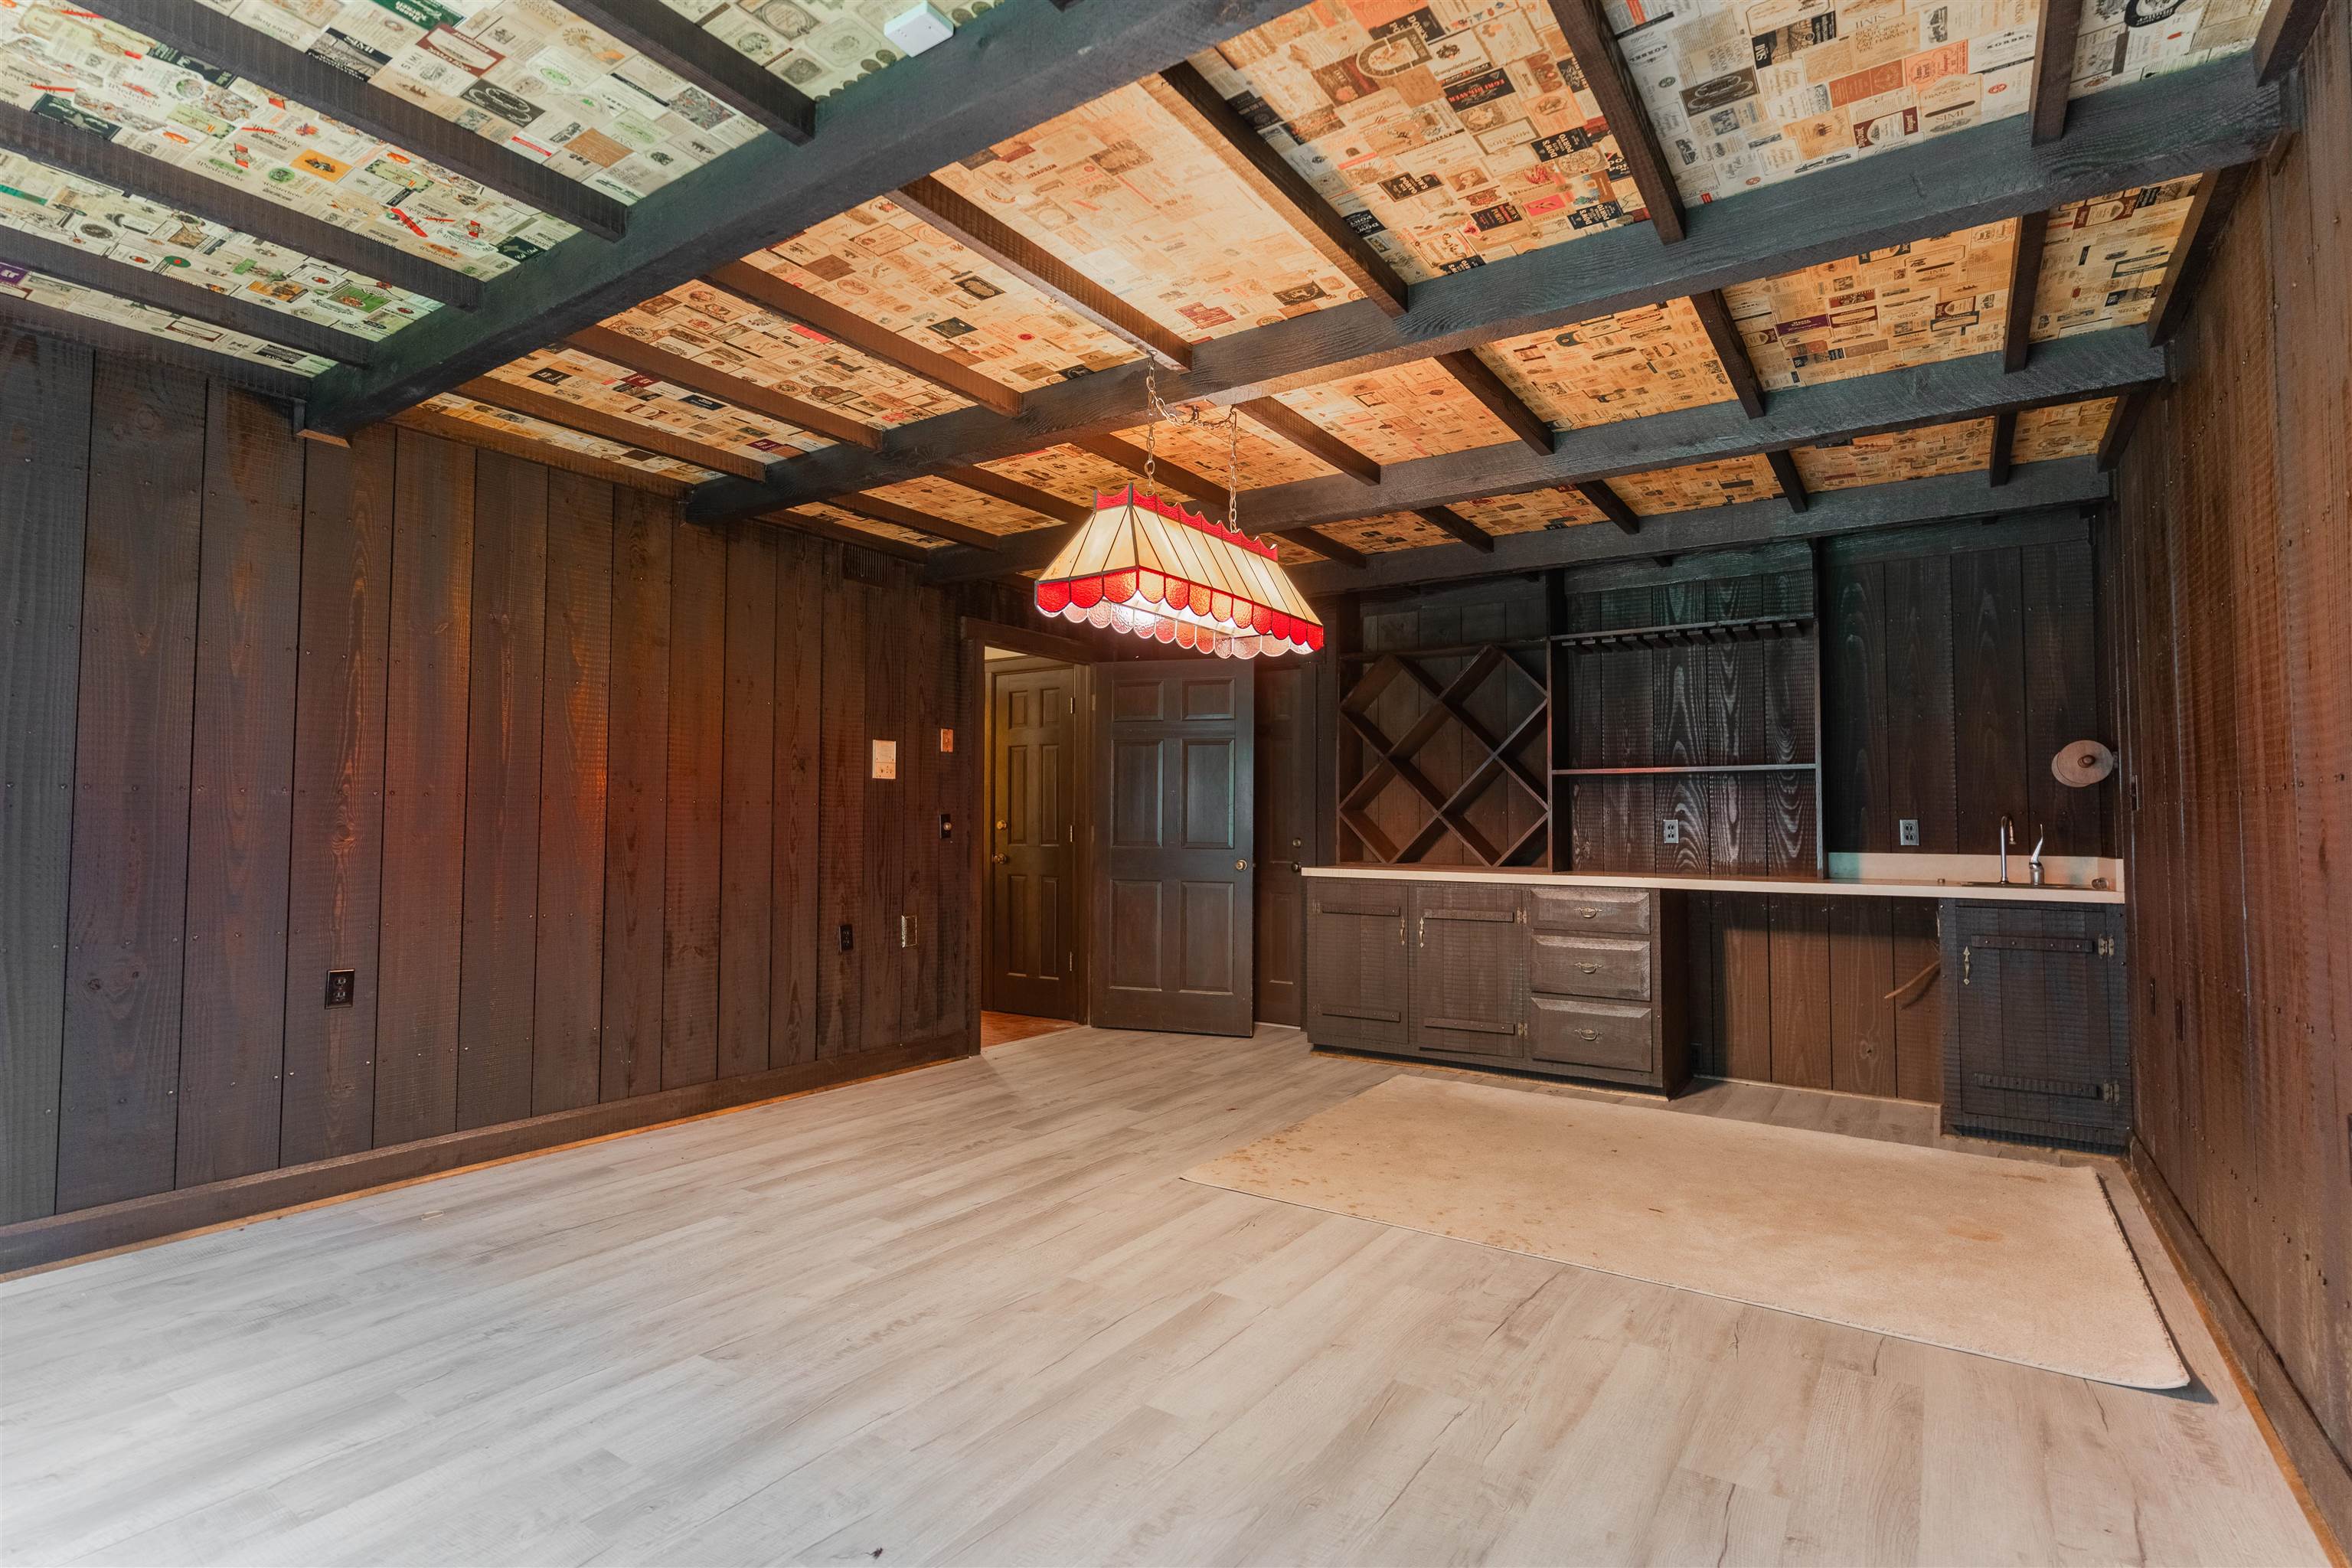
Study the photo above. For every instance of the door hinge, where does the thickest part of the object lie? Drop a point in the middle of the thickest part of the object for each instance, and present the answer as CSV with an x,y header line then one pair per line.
x,y
2107,947
1523,1028
1966,954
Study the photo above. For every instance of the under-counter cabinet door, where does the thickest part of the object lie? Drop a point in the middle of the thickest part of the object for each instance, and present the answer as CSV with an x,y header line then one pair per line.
x,y
1356,963
1469,988
2037,1046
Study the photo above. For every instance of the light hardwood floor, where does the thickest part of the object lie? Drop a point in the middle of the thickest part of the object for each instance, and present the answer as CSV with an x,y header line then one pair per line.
x,y
972,1314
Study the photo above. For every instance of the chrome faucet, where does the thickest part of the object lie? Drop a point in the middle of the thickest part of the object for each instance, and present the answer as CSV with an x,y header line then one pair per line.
x,y
2008,838
2033,861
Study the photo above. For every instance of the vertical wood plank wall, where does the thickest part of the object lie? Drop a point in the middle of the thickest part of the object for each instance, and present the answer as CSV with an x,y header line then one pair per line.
x,y
579,791
2236,498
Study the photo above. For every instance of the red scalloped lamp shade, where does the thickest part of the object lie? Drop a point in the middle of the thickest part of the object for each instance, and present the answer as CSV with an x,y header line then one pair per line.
x,y
1154,570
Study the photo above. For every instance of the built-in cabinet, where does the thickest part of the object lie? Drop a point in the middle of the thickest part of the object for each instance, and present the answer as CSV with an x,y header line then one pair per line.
x,y
2035,1044
1569,982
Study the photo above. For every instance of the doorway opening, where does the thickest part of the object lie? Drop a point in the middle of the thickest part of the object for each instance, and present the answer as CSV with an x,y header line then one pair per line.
x,y
1032,930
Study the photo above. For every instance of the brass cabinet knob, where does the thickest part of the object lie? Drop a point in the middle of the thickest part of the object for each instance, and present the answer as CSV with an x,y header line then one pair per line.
x,y
1241,864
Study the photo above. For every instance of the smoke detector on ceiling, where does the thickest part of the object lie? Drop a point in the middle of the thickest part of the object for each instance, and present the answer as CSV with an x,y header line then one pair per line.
x,y
917,27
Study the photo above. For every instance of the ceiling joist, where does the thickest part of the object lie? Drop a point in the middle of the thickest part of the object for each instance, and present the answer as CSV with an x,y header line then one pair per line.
x,y
2054,69
545,406
1311,438
1730,349
2024,282
1478,379
217,40
1590,40
826,528
514,444
989,482
2192,252
1135,459
1792,482
2002,461
1609,503
1345,556
2287,27
882,509
634,353
685,49
1459,526
133,344
822,316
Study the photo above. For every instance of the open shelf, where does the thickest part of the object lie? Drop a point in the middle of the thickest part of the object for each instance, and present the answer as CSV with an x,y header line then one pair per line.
x,y
1691,768
1691,634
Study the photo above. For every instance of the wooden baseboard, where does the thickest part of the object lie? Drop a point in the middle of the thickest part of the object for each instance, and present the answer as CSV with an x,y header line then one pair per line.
x,y
2322,1479
33,1243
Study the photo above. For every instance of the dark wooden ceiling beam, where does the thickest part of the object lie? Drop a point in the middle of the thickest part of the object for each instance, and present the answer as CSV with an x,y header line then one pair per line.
x,y
2054,69
882,511
826,528
1609,504
1459,526
1590,40
1187,95
1792,482
1998,466
1133,458
682,49
2286,30
2024,283
1044,504
1730,349
1005,70
773,294
1323,544
129,342
164,291
2066,370
2121,423
986,234
2192,252
2205,116
94,158
210,36
1311,438
1835,513
1477,378
634,353
549,409
516,443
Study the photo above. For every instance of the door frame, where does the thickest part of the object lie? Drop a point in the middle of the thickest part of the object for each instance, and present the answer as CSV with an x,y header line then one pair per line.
x,y
979,635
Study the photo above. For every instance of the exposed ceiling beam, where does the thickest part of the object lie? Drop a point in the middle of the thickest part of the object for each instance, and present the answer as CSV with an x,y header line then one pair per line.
x,y
515,444
2121,423
92,332
167,291
2001,463
2066,370
1044,504
826,528
1730,349
1479,380
1609,504
548,408
821,315
677,45
1590,40
1311,438
2053,67
1187,95
2024,282
634,354
1003,72
1346,556
1792,482
2192,253
2073,481
2287,27
213,38
1459,526
1131,457
882,511
2207,116
963,220
95,158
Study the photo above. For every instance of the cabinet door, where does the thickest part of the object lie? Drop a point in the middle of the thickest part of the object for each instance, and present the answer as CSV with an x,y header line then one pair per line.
x,y
1356,969
1469,970
2039,1044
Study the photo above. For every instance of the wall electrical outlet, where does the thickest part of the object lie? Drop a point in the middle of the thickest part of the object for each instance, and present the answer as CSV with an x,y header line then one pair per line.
x,y
1674,831
342,984
848,938
1906,832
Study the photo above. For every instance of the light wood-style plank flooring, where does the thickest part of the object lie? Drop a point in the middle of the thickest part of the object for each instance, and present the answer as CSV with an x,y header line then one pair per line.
x,y
971,1314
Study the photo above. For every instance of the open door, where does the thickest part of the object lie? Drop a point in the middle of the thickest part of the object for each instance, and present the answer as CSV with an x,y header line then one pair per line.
x,y
1031,950
1173,886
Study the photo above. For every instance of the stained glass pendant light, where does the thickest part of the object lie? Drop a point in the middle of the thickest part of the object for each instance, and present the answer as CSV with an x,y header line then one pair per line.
x,y
1155,569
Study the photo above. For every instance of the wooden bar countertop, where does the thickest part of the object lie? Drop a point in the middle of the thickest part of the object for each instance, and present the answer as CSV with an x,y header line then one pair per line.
x,y
2072,878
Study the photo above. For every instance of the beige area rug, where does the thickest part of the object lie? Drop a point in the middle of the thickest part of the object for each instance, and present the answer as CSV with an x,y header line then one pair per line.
x,y
2011,1258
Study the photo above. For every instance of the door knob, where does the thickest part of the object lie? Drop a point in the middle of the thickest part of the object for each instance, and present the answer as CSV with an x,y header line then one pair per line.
x,y
1241,864
997,859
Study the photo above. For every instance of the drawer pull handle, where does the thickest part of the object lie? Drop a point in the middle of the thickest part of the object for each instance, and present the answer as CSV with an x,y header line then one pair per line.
x,y
1589,968
1590,914
1588,1034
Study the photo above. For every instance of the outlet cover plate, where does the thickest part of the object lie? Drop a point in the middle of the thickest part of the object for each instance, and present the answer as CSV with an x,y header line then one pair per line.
x,y
1906,832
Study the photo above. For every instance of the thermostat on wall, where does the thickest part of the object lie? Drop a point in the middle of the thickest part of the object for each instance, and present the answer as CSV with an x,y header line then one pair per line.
x,y
917,27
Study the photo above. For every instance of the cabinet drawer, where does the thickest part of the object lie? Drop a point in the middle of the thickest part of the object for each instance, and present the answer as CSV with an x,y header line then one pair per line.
x,y
1592,1034
1335,898
1590,966
1621,910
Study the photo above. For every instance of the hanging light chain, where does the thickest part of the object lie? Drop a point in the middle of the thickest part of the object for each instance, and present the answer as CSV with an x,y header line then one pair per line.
x,y
1186,414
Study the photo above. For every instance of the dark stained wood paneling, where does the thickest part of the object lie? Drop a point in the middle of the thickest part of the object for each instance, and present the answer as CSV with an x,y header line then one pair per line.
x,y
233,1009
425,791
841,849
1743,985
1988,690
1863,1050
1800,955
697,694
794,894
116,1116
44,415
499,963
569,962
2061,696
335,877
1919,1010
636,814
747,802
1920,738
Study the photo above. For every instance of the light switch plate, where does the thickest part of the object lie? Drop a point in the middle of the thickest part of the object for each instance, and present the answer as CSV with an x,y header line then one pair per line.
x,y
1906,832
1674,831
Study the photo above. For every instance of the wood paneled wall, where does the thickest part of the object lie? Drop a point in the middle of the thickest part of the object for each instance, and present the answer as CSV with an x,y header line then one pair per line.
x,y
579,792
2235,496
